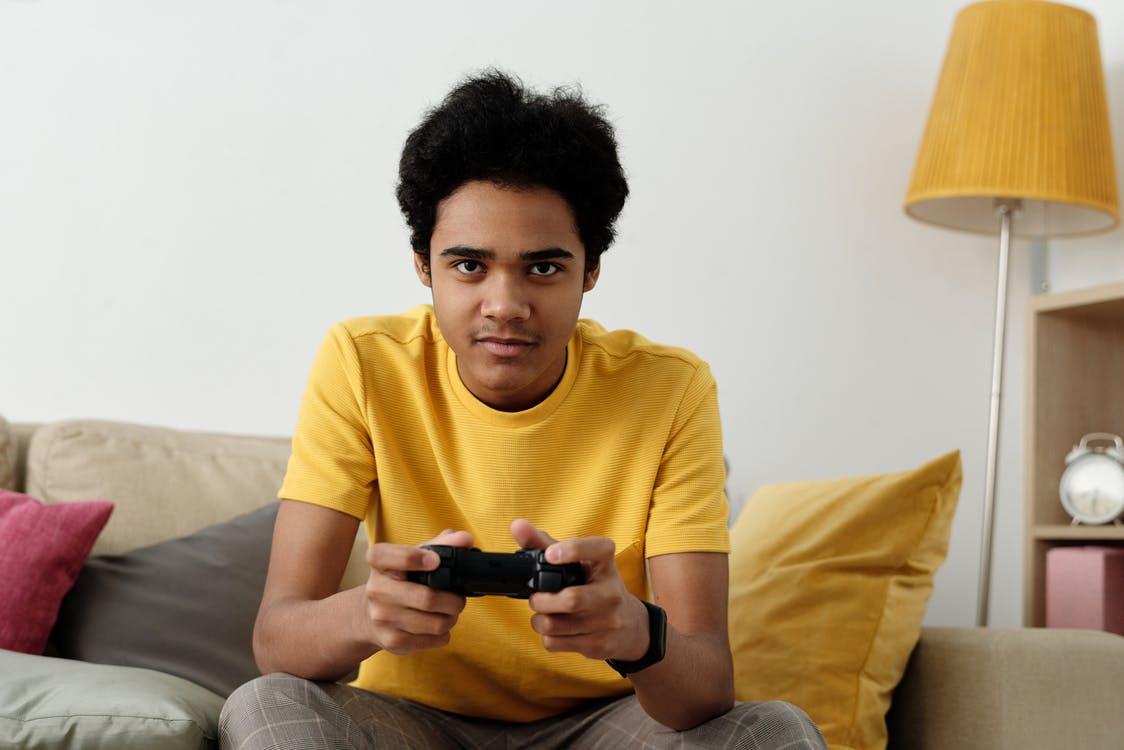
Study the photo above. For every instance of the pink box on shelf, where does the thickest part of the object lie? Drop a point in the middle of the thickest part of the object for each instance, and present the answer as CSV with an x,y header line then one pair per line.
x,y
1085,588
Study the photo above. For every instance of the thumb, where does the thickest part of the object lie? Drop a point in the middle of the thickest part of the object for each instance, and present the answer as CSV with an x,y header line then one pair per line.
x,y
528,536
453,538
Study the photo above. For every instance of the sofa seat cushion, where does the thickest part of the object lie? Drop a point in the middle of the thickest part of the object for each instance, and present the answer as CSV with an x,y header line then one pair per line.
x,y
829,582
1010,689
59,703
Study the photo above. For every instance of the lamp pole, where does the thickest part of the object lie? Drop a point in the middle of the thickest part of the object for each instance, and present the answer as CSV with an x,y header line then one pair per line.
x,y
1005,208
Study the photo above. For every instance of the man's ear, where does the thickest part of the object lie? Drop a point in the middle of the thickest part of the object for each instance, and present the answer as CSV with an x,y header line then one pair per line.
x,y
421,267
591,277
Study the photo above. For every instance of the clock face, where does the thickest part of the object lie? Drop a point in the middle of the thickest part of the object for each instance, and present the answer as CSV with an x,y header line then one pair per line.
x,y
1092,488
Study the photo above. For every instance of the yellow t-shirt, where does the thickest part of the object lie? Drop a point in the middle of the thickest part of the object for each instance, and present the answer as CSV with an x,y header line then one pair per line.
x,y
628,445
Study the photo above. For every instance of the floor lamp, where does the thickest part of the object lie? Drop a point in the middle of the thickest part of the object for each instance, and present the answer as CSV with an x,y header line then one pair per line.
x,y
1018,142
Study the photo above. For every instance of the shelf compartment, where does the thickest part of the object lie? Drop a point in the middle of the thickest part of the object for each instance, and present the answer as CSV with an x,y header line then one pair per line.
x,y
1075,385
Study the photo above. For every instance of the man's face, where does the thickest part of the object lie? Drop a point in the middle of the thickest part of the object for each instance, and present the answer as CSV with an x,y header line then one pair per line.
x,y
507,271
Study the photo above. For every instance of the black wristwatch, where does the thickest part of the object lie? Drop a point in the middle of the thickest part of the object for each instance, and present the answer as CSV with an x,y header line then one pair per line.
x,y
657,643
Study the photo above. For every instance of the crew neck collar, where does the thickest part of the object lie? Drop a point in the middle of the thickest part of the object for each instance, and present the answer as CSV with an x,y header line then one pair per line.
x,y
532,415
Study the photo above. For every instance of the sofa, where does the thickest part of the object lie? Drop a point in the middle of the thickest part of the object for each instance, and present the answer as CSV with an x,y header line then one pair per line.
x,y
962,688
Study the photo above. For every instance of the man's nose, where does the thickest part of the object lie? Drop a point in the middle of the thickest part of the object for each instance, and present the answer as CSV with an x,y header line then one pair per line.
x,y
505,299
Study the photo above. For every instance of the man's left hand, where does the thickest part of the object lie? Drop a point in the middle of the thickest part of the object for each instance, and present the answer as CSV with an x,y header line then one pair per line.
x,y
600,619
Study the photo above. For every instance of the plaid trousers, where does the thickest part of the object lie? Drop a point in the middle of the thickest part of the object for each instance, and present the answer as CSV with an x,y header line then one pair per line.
x,y
284,712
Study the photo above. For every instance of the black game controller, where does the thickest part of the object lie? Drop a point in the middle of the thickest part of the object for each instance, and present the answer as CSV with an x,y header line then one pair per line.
x,y
470,572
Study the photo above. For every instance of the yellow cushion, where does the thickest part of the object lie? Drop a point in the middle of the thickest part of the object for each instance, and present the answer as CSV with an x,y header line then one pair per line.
x,y
828,586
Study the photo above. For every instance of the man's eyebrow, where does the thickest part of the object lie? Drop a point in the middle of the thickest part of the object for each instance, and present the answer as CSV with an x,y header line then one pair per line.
x,y
476,253
549,253
460,251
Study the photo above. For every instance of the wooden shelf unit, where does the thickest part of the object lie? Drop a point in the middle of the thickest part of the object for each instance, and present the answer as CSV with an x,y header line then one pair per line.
x,y
1074,386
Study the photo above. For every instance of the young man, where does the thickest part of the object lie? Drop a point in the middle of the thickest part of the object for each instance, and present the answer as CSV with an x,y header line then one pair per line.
x,y
495,418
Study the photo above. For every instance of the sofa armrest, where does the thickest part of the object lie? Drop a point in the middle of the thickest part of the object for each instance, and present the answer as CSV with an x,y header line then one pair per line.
x,y
998,689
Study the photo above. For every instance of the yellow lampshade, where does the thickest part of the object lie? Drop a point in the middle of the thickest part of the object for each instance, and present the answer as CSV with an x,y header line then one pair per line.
x,y
1019,113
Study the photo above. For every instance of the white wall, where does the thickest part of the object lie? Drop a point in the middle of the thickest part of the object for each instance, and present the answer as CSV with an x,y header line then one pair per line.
x,y
192,192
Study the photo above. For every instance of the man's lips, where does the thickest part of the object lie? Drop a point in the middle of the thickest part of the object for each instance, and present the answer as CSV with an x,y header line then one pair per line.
x,y
503,347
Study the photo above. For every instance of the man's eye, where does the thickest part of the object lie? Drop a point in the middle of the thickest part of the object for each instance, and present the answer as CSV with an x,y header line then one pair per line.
x,y
544,269
468,266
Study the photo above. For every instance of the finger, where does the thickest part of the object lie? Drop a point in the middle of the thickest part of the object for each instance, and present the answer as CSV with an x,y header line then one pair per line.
x,y
561,625
424,623
453,538
401,643
426,599
596,551
386,557
530,537
571,600
392,591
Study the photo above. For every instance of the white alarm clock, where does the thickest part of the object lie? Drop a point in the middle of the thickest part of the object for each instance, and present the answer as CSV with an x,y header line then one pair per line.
x,y
1092,486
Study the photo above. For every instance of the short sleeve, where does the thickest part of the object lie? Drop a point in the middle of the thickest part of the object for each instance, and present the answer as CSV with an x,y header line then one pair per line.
x,y
689,509
332,462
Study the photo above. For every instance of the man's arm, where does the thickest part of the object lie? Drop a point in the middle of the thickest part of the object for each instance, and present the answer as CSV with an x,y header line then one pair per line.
x,y
304,627
695,680
602,619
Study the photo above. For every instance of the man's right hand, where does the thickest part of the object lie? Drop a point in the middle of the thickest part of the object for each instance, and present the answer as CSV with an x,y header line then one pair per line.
x,y
402,616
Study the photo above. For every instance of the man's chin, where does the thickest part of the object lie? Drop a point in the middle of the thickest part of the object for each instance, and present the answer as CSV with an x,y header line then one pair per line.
x,y
498,387
501,380
502,389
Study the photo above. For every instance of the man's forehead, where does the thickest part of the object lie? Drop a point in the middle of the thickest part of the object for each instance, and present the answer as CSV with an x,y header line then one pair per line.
x,y
482,217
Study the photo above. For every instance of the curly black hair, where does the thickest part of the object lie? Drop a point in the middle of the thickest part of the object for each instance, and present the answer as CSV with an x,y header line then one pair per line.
x,y
491,127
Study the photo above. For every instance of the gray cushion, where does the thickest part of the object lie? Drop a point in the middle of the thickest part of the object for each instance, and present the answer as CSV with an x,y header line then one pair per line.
x,y
185,606
56,703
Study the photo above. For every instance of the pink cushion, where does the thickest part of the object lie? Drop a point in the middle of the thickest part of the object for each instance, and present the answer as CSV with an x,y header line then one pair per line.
x,y
42,548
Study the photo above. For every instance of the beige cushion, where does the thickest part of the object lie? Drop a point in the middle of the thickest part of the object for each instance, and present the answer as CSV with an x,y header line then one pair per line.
x,y
1007,689
7,456
165,483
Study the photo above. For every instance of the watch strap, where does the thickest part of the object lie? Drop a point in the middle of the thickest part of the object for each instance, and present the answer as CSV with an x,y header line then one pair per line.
x,y
657,643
